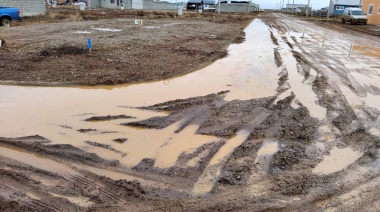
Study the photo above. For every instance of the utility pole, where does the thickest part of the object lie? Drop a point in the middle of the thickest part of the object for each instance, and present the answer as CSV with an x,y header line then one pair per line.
x,y
293,7
219,7
311,15
328,13
307,9
287,6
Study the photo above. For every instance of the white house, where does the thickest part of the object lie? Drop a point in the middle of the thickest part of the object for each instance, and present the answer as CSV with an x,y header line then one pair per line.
x,y
337,6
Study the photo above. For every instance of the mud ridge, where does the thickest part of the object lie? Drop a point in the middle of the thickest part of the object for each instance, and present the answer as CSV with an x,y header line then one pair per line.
x,y
277,58
274,39
105,146
108,118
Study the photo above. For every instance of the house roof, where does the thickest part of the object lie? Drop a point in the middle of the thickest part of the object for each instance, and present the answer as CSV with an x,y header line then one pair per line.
x,y
346,2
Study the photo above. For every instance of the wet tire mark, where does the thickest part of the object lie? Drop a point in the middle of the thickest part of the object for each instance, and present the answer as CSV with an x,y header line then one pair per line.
x,y
19,195
91,184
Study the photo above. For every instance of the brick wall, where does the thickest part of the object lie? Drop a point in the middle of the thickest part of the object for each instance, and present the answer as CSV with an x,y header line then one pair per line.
x,y
235,8
151,5
27,7
93,3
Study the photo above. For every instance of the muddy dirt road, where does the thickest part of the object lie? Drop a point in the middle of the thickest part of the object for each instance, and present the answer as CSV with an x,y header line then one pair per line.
x,y
288,121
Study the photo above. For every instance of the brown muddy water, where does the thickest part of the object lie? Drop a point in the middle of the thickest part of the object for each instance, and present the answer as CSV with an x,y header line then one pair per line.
x,y
57,113
37,161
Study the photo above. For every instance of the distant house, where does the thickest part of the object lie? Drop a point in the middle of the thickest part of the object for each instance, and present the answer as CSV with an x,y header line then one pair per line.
x,y
337,6
296,8
209,4
324,9
236,7
322,12
194,4
372,9
112,4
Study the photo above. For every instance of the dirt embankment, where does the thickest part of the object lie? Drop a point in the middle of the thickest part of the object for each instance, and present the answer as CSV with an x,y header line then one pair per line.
x,y
55,50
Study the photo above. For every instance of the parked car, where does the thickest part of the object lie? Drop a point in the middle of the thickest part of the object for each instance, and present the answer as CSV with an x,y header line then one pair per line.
x,y
8,14
354,16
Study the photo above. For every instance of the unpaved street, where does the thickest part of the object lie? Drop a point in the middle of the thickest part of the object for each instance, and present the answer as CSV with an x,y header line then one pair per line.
x,y
287,121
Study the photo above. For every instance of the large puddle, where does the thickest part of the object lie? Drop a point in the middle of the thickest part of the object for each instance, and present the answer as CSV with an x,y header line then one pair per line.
x,y
57,113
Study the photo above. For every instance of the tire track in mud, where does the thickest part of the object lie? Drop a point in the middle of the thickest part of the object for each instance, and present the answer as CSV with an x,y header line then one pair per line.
x,y
338,104
318,60
68,174
92,185
294,69
327,64
212,173
19,195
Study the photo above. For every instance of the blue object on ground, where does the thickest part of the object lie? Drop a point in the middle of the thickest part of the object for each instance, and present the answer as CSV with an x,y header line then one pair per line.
x,y
89,44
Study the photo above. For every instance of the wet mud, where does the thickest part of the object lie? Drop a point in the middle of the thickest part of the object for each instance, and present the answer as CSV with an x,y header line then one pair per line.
x,y
309,141
108,118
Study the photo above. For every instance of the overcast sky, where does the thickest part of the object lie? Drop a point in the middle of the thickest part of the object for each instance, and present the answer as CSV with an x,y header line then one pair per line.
x,y
271,4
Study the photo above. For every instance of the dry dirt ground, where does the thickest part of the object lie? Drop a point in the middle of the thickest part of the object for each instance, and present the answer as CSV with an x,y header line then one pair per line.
x,y
52,49
40,177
